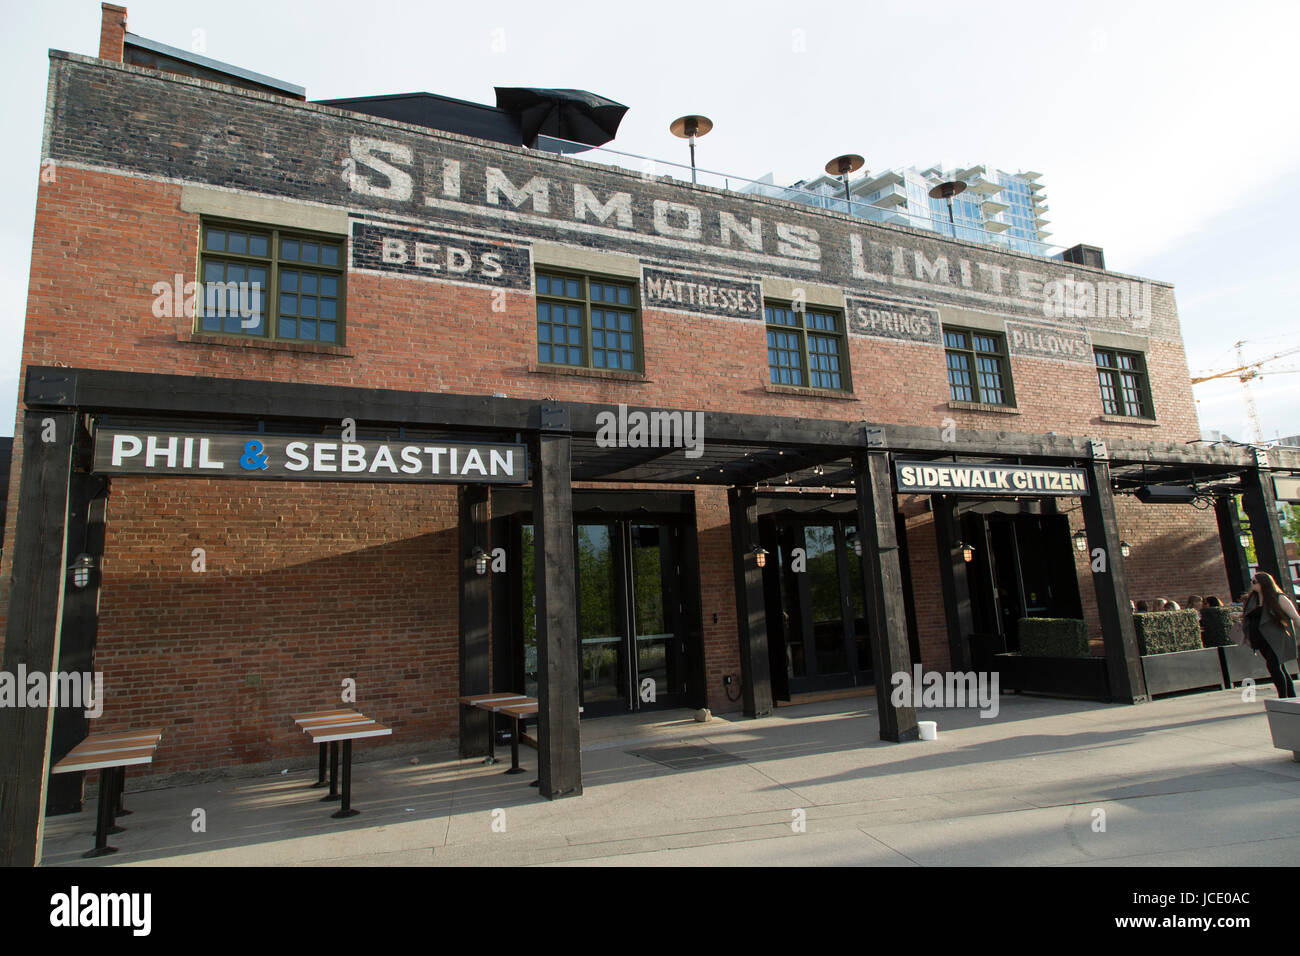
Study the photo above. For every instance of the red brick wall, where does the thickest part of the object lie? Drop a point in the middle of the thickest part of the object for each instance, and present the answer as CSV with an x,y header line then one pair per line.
x,y
306,584
717,597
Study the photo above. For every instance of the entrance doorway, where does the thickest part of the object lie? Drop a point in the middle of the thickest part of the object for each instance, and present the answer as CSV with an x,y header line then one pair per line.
x,y
639,630
817,630
1023,567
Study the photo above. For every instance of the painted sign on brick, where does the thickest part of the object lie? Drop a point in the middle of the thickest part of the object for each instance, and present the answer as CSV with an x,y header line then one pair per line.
x,y
887,319
701,293
443,254
1049,342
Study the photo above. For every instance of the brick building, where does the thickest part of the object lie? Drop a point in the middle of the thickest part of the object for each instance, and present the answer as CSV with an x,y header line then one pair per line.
x,y
425,299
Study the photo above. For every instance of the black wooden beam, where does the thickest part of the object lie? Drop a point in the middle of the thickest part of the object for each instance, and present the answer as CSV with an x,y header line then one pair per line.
x,y
559,754
751,610
1260,501
882,588
1235,561
952,581
1123,662
87,501
475,618
32,632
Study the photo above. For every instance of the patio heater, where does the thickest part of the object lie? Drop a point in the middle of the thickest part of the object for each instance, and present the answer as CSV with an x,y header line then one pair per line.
x,y
688,128
841,166
946,191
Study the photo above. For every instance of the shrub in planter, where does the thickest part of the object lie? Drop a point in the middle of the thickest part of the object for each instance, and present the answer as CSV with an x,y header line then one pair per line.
x,y
1162,632
1053,637
1216,627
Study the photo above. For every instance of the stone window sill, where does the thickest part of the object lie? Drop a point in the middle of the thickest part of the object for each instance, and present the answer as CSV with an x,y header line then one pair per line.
x,y
983,407
1130,420
609,375
241,342
822,393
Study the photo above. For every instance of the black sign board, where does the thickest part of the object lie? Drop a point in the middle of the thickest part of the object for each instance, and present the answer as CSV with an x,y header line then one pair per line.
x,y
956,478
140,452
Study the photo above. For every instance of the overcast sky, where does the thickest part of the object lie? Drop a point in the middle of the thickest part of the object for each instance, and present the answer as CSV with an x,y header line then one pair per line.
x,y
1165,132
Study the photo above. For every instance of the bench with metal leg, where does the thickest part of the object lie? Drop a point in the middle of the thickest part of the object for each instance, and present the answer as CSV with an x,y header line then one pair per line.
x,y
110,753
334,731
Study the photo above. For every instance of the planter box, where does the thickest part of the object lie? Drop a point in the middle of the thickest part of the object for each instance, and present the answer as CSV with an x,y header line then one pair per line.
x,y
1079,678
1284,724
1179,671
1239,662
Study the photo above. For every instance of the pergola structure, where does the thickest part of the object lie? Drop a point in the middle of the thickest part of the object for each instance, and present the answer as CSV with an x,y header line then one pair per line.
x,y
58,493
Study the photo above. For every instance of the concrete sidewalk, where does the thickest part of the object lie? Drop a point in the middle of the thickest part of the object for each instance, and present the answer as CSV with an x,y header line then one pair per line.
x,y
1190,781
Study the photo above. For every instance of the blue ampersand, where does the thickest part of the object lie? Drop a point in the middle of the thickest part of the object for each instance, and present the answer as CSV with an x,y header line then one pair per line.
x,y
253,458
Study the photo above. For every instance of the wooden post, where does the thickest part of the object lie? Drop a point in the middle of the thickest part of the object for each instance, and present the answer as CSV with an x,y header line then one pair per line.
x,y
87,501
1123,660
1235,562
40,562
882,589
1260,501
559,755
953,582
751,608
475,618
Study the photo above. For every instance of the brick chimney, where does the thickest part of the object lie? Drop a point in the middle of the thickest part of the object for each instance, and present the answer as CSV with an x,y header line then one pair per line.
x,y
112,32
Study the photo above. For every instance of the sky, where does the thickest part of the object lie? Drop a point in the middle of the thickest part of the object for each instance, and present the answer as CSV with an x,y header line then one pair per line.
x,y
1165,132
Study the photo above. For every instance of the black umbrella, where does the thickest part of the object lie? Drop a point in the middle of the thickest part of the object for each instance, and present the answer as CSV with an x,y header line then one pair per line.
x,y
574,115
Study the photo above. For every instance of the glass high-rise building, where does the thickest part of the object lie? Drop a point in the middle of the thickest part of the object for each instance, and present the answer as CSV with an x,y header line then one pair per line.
x,y
998,207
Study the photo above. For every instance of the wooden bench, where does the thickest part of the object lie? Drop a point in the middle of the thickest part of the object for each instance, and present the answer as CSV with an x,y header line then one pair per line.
x,y
329,728
110,753
494,704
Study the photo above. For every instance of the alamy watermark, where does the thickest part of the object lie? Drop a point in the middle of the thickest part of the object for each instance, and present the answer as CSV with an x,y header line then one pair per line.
x,y
1071,298
953,689
219,300
639,429
57,689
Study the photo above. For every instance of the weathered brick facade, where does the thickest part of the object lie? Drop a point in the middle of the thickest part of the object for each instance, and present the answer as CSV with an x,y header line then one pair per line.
x,y
306,581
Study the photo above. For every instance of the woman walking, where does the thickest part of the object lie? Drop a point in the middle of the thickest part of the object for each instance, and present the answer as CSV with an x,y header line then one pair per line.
x,y
1271,624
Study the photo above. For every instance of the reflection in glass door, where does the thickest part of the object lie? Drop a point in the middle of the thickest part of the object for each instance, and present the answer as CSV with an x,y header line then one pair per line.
x,y
629,584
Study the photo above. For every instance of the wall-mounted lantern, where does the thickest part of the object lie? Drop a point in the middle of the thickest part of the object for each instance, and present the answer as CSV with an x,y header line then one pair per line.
x,y
1080,538
760,556
967,551
480,560
81,567
1125,549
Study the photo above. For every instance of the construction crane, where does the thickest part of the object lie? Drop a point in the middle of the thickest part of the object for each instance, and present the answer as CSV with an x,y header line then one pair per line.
x,y
1247,372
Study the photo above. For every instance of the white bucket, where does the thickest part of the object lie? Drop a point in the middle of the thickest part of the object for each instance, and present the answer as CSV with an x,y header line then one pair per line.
x,y
929,729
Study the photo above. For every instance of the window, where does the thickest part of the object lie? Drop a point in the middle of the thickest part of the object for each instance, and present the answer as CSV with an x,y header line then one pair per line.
x,y
977,367
588,322
270,284
806,348
1124,387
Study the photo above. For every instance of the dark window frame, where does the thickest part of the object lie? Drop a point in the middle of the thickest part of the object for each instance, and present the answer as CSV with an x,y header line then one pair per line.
x,y
1115,373
973,355
274,261
802,332
585,303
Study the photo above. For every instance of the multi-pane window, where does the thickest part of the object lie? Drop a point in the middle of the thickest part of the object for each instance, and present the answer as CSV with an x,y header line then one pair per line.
x,y
587,322
270,284
977,367
806,348
1123,380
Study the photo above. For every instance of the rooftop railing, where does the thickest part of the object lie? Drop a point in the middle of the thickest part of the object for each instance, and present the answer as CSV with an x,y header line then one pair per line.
x,y
651,168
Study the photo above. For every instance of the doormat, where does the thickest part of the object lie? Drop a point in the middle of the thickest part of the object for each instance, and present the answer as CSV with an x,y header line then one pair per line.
x,y
685,756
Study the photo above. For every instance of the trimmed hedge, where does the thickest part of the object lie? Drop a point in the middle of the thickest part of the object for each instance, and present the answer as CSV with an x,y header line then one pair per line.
x,y
1216,626
1162,632
1053,637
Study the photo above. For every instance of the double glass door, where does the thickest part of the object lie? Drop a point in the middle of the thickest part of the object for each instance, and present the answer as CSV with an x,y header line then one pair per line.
x,y
632,626
817,625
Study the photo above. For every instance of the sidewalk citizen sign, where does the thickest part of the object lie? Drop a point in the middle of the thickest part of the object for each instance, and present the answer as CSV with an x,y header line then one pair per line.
x,y
317,458
955,478
1286,487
